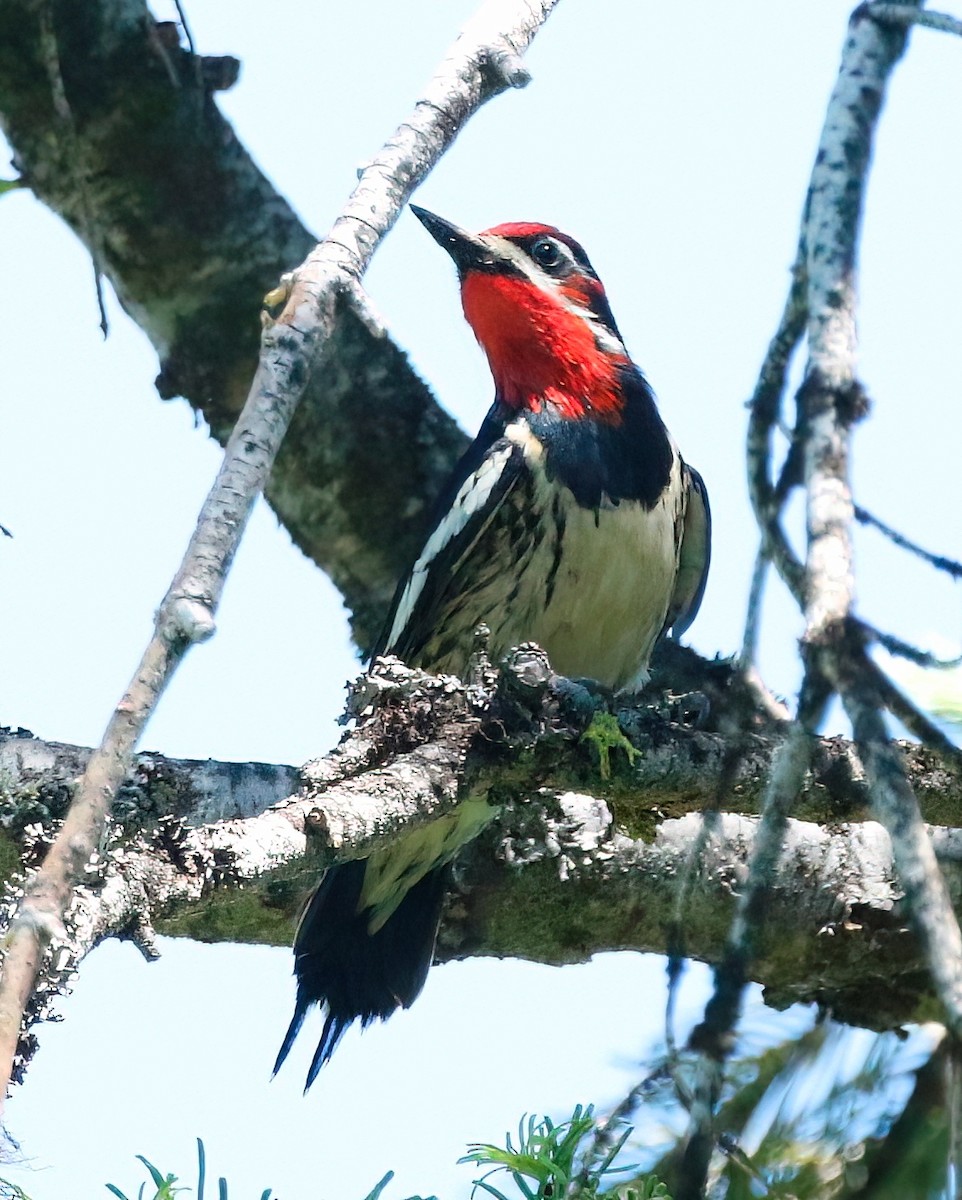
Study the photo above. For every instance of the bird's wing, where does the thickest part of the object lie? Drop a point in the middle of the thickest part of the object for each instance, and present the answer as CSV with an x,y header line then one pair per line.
x,y
488,473
694,556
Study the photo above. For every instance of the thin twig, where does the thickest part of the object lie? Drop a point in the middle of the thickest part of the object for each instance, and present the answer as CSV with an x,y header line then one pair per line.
x,y
733,758
918,723
470,74
949,565
753,615
904,16
789,477
764,408
901,649
714,1035
185,25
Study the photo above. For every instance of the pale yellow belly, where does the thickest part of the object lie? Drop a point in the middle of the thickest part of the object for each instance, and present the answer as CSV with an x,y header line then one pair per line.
x,y
596,605
609,598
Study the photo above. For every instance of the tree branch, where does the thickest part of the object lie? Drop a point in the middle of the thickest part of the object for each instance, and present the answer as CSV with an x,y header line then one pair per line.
x,y
764,408
904,15
575,862
949,565
834,401
830,401
191,235
482,63
927,898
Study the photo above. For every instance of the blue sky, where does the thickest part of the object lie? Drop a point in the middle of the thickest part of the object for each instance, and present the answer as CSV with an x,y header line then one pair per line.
x,y
675,143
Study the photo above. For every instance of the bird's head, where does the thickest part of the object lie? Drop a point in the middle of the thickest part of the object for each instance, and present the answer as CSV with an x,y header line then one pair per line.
x,y
541,315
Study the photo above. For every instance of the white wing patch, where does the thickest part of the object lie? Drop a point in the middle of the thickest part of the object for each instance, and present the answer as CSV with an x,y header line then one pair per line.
x,y
471,498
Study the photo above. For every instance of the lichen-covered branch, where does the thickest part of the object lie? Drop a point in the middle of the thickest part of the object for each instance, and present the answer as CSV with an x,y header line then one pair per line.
x,y
583,856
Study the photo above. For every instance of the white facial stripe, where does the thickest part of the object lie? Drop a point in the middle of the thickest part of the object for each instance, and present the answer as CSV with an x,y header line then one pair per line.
x,y
552,287
472,497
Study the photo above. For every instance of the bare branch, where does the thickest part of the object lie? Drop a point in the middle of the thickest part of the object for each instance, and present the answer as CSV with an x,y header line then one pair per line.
x,y
902,649
926,895
714,1036
833,401
949,565
764,408
904,16
829,402
831,398
914,720
481,64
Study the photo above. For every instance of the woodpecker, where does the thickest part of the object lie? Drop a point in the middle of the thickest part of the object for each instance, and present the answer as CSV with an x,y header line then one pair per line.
x,y
571,521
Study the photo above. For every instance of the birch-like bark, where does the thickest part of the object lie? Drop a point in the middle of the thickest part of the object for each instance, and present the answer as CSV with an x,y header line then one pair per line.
x,y
830,401
834,402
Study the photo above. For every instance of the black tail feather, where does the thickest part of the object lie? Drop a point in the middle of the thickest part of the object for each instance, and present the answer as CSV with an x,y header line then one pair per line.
x,y
300,1011
334,1029
360,975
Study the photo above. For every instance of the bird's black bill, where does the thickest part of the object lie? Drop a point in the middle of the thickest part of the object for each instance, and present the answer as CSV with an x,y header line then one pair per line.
x,y
467,249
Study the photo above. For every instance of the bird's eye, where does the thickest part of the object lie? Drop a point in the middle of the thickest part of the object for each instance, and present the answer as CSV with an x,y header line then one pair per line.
x,y
546,252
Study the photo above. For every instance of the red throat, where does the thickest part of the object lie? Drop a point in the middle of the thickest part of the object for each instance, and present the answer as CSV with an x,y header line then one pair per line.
x,y
539,352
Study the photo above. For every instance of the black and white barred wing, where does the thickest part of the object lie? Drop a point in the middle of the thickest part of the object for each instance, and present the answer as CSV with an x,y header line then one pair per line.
x,y
458,579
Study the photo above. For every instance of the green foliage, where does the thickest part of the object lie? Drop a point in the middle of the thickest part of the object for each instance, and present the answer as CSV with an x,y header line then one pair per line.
x,y
166,1184
163,1183
872,1120
567,1159
650,1189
